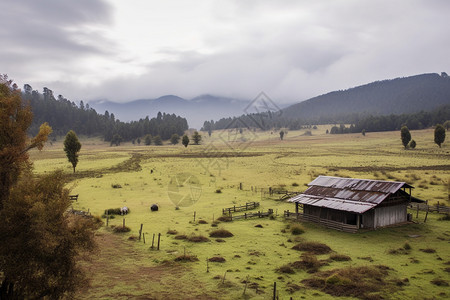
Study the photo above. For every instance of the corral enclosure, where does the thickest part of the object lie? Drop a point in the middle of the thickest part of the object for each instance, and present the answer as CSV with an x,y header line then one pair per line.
x,y
231,169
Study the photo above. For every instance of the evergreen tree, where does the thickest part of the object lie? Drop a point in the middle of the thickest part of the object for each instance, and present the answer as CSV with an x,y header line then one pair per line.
x,y
405,136
439,135
175,139
148,139
157,140
281,134
196,137
72,146
185,140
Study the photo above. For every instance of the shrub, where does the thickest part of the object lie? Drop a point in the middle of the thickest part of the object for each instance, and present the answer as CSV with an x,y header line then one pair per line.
x,y
181,237
202,222
297,229
197,239
313,247
172,231
407,246
224,219
220,233
116,186
309,262
295,184
218,191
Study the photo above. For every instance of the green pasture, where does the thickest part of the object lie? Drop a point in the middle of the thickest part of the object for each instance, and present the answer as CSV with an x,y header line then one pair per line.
x,y
256,160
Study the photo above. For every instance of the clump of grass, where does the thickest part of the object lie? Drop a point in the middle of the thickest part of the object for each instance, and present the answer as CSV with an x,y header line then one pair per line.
x,y
181,237
259,226
218,191
217,259
197,239
313,248
296,229
116,186
309,263
202,222
439,282
172,231
367,282
428,250
405,249
224,219
220,233
445,217
121,229
286,269
186,258
295,184
340,257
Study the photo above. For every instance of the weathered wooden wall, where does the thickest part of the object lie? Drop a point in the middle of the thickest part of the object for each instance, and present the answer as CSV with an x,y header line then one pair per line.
x,y
390,215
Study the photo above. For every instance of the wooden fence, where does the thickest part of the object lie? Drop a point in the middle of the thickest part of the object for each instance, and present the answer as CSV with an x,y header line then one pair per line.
x,y
439,208
245,216
247,206
327,223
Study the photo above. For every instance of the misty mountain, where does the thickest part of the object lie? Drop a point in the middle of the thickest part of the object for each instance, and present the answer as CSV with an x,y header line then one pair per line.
x,y
195,110
406,95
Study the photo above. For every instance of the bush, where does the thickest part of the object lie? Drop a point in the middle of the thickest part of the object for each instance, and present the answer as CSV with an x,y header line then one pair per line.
x,y
297,229
295,184
412,144
218,191
116,186
309,262
181,237
224,219
220,233
171,231
202,222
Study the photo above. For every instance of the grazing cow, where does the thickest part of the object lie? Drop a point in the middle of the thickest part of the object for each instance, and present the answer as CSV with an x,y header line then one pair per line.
x,y
154,207
124,210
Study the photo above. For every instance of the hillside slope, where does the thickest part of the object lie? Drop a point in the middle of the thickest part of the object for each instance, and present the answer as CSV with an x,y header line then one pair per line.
x,y
397,96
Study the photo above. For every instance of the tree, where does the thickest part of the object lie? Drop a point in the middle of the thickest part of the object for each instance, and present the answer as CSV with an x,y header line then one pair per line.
x,y
175,139
363,132
40,241
157,140
116,140
439,134
72,146
148,139
281,134
185,140
15,119
405,136
446,124
139,141
196,137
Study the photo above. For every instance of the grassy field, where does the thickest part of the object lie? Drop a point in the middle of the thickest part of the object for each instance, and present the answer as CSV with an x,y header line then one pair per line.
x,y
209,177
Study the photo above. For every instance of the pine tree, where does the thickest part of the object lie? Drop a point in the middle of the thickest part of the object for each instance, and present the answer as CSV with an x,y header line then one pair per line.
x,y
439,135
72,146
185,140
405,135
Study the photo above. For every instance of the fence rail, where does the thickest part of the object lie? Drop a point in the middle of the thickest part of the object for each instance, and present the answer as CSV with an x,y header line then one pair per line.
x,y
327,223
247,206
439,208
258,214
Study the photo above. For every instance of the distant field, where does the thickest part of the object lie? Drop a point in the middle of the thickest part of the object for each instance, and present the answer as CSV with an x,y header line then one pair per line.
x,y
256,160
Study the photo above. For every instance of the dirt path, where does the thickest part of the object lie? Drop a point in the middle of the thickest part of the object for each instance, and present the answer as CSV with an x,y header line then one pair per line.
x,y
119,270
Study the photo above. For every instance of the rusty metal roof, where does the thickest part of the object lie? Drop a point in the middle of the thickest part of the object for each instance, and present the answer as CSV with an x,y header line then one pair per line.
x,y
334,203
348,194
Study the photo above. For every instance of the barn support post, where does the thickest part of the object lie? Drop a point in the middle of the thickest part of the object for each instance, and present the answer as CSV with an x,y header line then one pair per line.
x,y
296,207
417,212
358,221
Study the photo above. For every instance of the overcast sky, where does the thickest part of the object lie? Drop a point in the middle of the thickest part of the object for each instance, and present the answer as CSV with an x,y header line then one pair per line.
x,y
292,50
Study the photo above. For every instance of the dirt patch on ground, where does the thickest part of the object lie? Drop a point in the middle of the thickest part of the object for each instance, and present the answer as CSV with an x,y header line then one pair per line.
x,y
121,271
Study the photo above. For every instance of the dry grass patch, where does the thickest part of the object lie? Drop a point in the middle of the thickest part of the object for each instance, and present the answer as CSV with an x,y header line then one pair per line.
x,y
220,233
186,258
313,248
287,269
340,257
202,222
367,282
296,229
428,250
309,262
197,239
217,259
172,231
121,229
180,237
439,282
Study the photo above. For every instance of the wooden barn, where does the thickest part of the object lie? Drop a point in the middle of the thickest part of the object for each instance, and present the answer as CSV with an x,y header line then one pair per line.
x,y
349,204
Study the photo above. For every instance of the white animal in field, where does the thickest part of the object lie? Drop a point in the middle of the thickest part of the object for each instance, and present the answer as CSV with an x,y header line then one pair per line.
x,y
124,210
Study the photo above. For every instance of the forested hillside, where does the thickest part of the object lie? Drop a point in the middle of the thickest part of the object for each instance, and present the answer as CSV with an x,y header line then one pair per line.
x,y
64,115
396,96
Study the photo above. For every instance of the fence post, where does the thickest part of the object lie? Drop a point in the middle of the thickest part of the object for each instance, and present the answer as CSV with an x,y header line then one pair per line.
x,y
437,207
140,232
153,240
426,215
274,291
194,216
123,223
159,237
143,236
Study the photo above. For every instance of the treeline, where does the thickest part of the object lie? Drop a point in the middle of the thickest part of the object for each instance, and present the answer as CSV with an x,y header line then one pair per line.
x,y
359,122
64,115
